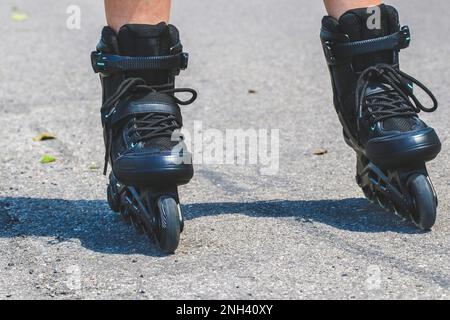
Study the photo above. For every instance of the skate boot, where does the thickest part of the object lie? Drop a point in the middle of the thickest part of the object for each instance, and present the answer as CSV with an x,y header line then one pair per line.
x,y
141,120
378,109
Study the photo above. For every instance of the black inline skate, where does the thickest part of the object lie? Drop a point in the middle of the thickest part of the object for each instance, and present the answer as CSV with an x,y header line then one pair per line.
x,y
141,120
378,109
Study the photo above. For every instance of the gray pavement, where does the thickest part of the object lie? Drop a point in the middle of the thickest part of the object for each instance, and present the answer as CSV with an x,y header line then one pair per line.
x,y
304,233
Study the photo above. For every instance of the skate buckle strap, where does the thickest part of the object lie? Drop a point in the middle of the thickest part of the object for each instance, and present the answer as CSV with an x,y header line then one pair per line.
x,y
336,52
109,63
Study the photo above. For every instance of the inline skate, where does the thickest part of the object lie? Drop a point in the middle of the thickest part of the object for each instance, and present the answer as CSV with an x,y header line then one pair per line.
x,y
378,109
141,121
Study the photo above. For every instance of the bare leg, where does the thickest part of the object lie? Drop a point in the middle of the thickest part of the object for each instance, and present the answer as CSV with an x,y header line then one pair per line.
x,y
121,12
336,8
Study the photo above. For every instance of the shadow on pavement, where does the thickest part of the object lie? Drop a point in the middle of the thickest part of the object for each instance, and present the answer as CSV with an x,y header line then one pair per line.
x,y
97,228
353,214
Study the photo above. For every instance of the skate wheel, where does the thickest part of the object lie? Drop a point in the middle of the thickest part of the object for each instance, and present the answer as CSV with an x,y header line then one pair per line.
x,y
125,214
113,198
169,224
401,213
182,219
368,193
137,224
384,203
424,199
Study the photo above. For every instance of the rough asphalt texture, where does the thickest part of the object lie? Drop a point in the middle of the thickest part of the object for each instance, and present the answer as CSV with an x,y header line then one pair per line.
x,y
304,233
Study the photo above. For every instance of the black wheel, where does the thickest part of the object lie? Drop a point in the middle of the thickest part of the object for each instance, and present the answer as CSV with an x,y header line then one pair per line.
x,y
169,224
125,214
182,220
113,197
424,199
137,224
385,203
401,213
368,193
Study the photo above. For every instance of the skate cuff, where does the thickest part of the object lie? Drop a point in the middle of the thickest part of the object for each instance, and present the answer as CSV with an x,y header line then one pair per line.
x,y
110,63
337,52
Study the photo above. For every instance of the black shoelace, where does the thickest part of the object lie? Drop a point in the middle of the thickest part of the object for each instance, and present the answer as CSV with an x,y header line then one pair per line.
x,y
148,126
398,102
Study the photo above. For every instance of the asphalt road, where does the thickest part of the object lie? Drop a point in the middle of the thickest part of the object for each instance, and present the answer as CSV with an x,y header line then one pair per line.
x,y
303,233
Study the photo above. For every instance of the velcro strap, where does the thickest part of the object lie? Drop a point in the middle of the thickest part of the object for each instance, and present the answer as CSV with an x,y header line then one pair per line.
x,y
110,63
134,108
344,50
